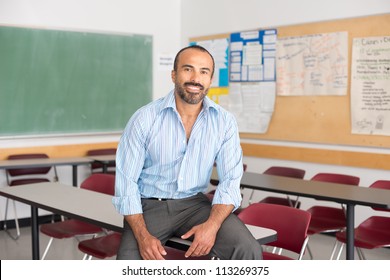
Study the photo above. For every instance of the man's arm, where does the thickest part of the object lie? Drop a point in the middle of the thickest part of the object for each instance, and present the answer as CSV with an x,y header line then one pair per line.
x,y
150,247
206,233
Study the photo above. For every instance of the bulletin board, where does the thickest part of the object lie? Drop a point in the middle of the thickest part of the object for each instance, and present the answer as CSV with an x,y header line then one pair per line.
x,y
320,119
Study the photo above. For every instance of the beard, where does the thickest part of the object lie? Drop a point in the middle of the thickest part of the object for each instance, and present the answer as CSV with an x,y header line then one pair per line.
x,y
189,97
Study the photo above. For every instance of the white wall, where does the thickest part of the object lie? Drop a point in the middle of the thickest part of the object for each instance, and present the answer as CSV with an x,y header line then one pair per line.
x,y
161,19
205,17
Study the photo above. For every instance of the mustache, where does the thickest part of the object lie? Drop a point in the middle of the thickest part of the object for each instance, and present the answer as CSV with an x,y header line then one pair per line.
x,y
194,84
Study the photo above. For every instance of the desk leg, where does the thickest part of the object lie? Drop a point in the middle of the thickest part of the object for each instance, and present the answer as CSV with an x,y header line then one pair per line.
x,y
350,231
34,233
105,167
74,175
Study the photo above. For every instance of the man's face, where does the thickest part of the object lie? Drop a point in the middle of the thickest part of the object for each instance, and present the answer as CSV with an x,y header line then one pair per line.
x,y
193,76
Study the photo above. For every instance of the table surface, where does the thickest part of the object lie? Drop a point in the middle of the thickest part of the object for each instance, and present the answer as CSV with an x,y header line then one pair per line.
x,y
88,206
103,158
39,162
346,194
66,200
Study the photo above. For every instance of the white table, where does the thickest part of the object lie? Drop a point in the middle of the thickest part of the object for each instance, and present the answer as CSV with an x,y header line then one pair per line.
x,y
85,205
104,160
340,193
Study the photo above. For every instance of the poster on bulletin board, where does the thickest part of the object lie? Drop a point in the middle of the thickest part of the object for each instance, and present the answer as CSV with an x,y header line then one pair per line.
x,y
218,48
252,56
252,79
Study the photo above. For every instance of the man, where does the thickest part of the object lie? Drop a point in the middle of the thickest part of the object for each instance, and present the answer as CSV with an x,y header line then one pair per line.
x,y
164,162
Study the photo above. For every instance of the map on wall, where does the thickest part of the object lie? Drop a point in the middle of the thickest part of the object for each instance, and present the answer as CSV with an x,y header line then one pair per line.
x,y
314,64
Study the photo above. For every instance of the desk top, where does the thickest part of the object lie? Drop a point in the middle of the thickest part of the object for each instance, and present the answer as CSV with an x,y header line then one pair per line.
x,y
69,201
103,158
88,206
345,194
43,162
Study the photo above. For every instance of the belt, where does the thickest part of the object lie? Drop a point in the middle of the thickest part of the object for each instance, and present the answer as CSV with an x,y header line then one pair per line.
x,y
159,199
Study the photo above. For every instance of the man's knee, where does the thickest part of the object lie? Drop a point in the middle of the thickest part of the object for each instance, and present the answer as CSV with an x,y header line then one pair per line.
x,y
234,241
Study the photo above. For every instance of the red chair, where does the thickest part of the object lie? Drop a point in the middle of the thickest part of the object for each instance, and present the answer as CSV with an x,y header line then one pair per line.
x,y
285,172
98,167
326,218
99,182
101,247
23,176
290,223
372,233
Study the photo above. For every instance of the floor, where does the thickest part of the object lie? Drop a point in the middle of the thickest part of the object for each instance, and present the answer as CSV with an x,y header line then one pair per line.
x,y
66,249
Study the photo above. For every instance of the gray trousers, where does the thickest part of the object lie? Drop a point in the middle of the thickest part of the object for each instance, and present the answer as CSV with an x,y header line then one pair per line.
x,y
165,219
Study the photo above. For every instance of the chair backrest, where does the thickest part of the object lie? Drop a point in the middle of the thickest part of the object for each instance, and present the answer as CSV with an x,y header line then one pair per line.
x,y
101,152
290,223
336,178
21,176
286,172
100,182
28,171
381,184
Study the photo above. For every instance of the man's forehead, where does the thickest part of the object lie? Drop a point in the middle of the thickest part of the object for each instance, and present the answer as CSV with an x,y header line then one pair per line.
x,y
195,56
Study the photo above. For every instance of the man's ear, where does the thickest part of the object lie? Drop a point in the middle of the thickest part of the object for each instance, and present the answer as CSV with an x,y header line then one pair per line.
x,y
173,76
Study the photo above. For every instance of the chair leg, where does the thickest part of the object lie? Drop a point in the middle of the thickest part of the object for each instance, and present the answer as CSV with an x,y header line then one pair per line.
x,y
87,257
310,253
47,248
16,221
334,249
250,197
340,251
360,254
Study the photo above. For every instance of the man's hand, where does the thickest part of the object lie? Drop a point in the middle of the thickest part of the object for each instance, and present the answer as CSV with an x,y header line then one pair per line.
x,y
150,247
204,239
206,233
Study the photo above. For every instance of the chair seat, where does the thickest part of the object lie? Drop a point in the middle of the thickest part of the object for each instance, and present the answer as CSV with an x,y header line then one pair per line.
x,y
270,256
101,247
27,181
374,232
326,219
69,228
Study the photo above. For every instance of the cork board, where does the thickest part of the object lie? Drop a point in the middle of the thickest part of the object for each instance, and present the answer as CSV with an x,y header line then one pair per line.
x,y
321,119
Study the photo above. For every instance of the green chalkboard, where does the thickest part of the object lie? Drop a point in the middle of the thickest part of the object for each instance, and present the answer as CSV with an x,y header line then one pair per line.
x,y
61,82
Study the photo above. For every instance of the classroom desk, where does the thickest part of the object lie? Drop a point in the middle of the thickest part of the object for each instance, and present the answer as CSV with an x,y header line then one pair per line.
x,y
340,193
104,160
46,162
85,205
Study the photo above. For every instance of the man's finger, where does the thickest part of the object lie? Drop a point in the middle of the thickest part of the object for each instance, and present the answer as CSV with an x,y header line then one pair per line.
x,y
190,250
188,234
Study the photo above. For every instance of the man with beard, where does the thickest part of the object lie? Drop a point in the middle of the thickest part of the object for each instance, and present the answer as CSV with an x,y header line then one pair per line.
x,y
164,162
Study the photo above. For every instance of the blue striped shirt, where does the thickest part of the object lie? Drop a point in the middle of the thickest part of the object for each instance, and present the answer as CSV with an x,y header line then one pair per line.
x,y
154,158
